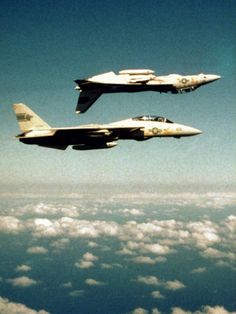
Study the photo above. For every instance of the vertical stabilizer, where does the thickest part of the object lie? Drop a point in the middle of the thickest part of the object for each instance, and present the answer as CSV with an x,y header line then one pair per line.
x,y
27,119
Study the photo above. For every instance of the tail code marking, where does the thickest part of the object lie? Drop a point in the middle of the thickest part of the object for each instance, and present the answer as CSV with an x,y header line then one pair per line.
x,y
23,117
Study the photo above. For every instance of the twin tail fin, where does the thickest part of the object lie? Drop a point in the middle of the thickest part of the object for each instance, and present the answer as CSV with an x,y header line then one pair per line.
x,y
27,119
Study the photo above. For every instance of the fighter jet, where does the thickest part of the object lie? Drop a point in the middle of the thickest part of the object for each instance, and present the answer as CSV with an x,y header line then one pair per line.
x,y
136,81
95,136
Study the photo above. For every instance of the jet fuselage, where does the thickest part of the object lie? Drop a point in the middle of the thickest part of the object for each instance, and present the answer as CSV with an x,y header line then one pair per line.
x,y
93,136
136,81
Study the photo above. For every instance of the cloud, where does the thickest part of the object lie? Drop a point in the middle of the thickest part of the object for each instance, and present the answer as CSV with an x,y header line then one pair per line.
x,y
148,280
157,249
157,295
204,310
76,293
43,227
48,209
23,268
12,225
133,248
154,281
177,310
90,257
93,282
60,244
106,266
7,307
92,244
213,200
23,282
132,212
143,242
174,285
141,310
198,270
86,261
67,285
37,250
217,254
230,223
215,310
84,264
143,260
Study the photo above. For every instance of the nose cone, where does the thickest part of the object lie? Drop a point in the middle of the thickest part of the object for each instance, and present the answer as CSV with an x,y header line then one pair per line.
x,y
210,77
189,131
213,77
192,131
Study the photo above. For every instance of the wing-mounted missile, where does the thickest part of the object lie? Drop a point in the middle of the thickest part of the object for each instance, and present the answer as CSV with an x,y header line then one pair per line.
x,y
95,146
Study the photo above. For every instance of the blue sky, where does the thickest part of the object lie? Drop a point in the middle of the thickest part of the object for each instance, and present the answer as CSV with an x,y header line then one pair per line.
x,y
45,45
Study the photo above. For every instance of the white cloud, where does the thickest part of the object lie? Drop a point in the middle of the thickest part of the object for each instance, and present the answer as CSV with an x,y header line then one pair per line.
x,y
84,264
143,260
22,282
148,280
60,244
86,261
67,285
154,238
106,266
7,307
157,295
37,250
133,248
139,310
93,282
157,249
213,200
215,310
23,268
174,285
49,209
178,310
132,212
204,310
154,281
43,227
198,270
9,224
217,254
92,244
231,224
90,257
148,260
76,293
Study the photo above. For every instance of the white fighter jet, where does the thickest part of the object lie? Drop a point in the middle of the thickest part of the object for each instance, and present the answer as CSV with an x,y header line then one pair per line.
x,y
95,136
136,81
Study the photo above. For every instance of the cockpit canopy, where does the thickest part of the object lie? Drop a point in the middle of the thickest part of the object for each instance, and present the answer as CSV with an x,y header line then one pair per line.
x,y
153,119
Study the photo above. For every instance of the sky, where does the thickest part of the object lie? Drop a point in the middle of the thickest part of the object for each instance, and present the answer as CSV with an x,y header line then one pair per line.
x,y
45,45
145,227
